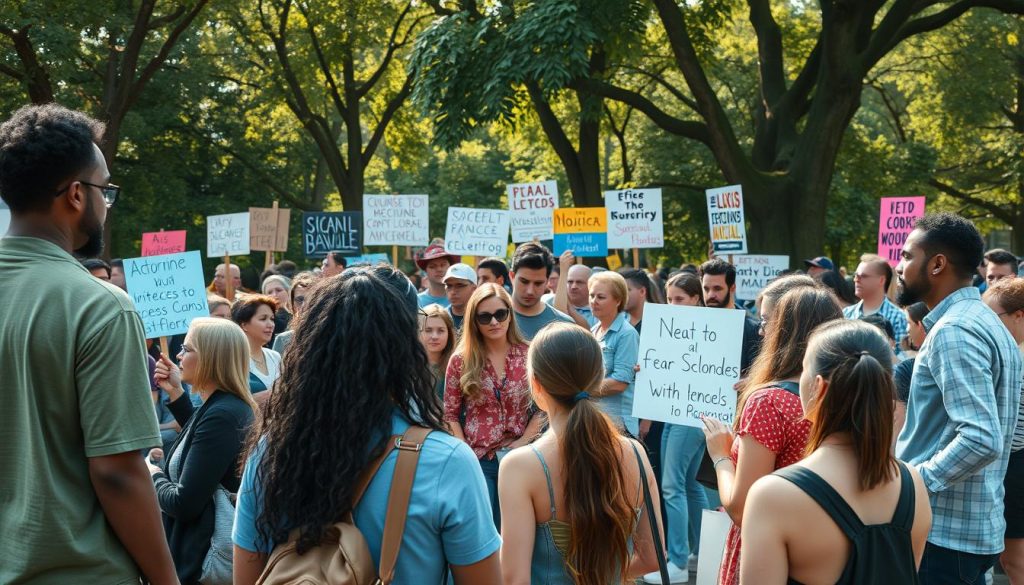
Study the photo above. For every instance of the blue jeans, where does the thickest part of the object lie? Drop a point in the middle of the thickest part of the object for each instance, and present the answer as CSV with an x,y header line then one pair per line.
x,y
490,469
944,566
685,499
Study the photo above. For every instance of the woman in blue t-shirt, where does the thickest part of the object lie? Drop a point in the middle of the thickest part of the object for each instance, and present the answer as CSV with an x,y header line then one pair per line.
x,y
323,425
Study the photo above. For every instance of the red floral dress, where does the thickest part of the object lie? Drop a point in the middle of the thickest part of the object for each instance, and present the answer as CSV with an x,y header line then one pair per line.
x,y
775,419
499,413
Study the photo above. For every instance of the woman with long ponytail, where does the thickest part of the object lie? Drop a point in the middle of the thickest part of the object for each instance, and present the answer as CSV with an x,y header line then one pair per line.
x,y
571,502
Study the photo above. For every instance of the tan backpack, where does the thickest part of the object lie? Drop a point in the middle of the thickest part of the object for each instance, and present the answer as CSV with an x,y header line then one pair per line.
x,y
343,557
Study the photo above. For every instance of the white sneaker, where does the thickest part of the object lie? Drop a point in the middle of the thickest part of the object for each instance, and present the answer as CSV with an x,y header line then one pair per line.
x,y
676,576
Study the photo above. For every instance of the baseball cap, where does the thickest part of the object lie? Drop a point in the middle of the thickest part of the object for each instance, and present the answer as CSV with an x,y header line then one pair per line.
x,y
433,252
820,262
460,271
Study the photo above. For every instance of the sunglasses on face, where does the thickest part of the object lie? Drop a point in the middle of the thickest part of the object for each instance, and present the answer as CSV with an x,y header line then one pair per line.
x,y
501,315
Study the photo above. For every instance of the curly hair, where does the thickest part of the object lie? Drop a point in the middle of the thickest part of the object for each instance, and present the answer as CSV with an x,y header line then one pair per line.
x,y
322,426
41,147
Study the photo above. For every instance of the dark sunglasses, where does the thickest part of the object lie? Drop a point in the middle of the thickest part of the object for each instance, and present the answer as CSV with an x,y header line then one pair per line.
x,y
485,318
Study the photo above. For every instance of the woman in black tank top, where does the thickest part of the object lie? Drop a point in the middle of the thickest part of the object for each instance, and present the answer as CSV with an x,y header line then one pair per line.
x,y
849,512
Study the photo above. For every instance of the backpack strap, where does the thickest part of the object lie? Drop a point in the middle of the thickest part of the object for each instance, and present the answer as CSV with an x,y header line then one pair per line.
x,y
371,470
409,447
903,517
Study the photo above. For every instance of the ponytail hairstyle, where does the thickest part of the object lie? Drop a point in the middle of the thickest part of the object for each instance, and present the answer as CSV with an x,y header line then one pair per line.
x,y
565,360
855,360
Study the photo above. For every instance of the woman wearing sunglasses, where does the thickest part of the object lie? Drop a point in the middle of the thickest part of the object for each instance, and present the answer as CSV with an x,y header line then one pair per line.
x,y
487,393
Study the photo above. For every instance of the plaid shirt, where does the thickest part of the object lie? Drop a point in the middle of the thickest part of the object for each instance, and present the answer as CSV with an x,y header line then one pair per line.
x,y
892,314
963,403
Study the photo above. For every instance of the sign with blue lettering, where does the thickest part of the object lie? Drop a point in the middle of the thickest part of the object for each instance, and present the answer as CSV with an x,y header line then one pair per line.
x,y
168,291
332,231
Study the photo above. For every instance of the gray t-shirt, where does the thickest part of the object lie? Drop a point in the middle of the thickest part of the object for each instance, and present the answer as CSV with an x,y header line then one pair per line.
x,y
529,326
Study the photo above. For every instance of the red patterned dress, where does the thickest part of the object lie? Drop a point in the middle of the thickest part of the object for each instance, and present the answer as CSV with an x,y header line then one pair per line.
x,y
499,413
775,419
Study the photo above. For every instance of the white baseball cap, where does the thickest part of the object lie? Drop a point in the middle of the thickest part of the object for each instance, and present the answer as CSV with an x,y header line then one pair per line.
x,y
460,271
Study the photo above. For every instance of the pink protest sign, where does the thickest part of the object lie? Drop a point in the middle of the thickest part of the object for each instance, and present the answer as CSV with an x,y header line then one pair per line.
x,y
895,223
159,243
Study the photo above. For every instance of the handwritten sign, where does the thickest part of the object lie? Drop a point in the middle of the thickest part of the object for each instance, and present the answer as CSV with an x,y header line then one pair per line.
x,y
396,220
755,271
689,361
725,216
895,223
159,243
635,218
532,205
584,230
168,291
5,218
268,229
370,259
476,232
227,235
331,231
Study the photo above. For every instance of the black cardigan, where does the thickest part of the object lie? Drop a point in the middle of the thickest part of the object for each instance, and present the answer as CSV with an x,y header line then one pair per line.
x,y
211,443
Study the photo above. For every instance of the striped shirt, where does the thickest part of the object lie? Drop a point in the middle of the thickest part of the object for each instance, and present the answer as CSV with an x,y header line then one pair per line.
x,y
893,314
964,396
1018,433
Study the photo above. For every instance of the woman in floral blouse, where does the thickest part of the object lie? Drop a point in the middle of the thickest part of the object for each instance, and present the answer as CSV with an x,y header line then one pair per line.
x,y
487,393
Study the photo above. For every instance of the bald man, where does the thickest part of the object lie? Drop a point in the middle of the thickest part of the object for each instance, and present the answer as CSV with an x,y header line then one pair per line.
x,y
219,282
578,292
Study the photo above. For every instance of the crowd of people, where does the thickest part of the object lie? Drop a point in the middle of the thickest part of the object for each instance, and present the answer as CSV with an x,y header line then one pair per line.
x,y
877,436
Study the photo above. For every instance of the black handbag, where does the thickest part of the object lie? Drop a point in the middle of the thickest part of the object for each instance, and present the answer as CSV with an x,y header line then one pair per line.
x,y
652,518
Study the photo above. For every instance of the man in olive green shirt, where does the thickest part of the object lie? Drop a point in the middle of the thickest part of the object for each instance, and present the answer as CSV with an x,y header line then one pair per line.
x,y
76,501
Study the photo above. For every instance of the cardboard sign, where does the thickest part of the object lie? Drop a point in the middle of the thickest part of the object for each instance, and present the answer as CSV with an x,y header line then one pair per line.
x,y
614,262
396,220
476,232
168,291
895,223
227,235
159,243
689,361
370,259
532,205
725,217
635,218
584,230
268,229
331,231
755,271
5,218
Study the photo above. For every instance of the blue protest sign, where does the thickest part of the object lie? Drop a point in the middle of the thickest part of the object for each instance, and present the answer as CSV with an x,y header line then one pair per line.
x,y
331,231
168,291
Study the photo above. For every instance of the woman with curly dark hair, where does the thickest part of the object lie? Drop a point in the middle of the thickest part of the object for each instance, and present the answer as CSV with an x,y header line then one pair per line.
x,y
324,425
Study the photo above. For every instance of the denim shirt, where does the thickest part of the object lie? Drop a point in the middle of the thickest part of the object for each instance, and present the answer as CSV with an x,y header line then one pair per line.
x,y
619,348
964,394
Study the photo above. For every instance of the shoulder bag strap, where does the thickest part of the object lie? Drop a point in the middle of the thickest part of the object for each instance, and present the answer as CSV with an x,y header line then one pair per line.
x,y
371,471
652,518
409,447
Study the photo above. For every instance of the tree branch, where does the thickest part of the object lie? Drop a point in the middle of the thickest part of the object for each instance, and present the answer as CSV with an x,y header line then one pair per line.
x,y
656,77
158,61
688,129
1001,213
769,50
325,67
367,85
385,118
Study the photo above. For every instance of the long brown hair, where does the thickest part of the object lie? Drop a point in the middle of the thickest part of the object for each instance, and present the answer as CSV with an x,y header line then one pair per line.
x,y
471,342
788,327
565,360
855,359
435,311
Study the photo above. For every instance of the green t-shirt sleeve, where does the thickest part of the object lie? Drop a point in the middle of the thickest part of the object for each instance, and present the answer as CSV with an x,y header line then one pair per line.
x,y
114,400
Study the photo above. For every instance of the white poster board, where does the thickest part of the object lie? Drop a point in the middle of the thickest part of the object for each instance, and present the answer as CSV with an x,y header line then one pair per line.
x,y
5,218
476,232
755,271
714,533
168,291
635,218
532,206
726,220
396,220
689,362
227,235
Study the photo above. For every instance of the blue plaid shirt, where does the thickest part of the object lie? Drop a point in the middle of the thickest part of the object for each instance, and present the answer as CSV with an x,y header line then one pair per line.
x,y
960,418
892,314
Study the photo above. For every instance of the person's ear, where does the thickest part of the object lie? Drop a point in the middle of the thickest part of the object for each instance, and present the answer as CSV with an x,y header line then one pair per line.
x,y
540,397
938,263
76,195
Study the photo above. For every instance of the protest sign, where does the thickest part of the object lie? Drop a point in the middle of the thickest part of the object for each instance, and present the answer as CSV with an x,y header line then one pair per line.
x,y
476,232
584,230
268,228
331,231
614,262
168,291
725,217
159,243
532,205
635,218
5,218
755,271
227,235
689,361
396,220
371,259
896,221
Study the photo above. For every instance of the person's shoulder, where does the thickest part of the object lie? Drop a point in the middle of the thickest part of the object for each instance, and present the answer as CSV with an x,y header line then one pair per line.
x,y
774,395
272,354
555,313
773,495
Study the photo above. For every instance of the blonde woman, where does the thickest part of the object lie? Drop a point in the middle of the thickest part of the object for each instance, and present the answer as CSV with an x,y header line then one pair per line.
x,y
437,334
487,394
620,344
214,360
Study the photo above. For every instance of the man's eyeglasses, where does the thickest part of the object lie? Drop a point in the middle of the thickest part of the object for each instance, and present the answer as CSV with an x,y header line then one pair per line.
x,y
110,191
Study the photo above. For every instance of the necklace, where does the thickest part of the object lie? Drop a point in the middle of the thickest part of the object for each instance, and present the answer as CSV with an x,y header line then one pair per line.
x,y
262,362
